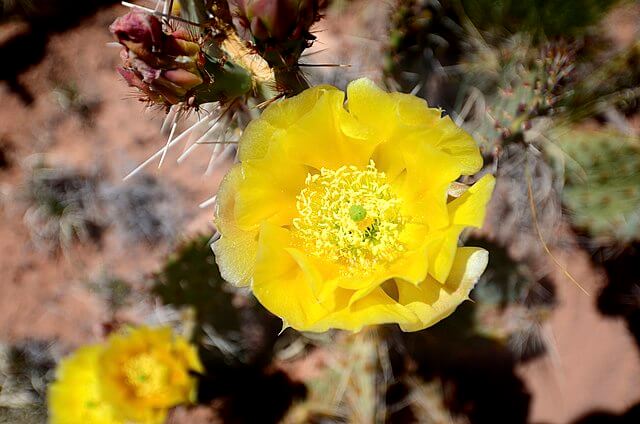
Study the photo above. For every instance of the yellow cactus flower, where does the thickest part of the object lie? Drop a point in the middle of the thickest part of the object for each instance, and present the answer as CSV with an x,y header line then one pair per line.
x,y
146,371
75,397
345,215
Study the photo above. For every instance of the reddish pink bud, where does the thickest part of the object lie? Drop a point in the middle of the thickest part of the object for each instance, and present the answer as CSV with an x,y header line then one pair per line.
x,y
163,65
183,78
278,20
139,28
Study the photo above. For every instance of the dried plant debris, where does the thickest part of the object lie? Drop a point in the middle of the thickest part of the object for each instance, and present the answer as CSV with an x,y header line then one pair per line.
x,y
146,210
523,176
71,99
116,292
427,403
63,206
25,371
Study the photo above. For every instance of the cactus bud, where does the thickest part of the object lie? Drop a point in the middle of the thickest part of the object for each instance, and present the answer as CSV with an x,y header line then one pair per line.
x,y
164,66
280,31
279,20
171,67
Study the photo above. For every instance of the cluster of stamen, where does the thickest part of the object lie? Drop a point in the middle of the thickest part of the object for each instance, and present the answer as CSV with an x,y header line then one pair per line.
x,y
350,215
145,375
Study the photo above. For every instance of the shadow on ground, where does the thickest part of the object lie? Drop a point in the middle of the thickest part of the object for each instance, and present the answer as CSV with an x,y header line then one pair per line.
x,y
621,295
477,372
43,18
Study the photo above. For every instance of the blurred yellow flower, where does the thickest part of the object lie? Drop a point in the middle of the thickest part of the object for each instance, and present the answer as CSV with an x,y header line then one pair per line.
x,y
75,396
146,371
342,216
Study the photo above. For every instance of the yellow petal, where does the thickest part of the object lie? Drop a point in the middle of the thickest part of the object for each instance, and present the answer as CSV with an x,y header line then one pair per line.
x,y
413,264
441,250
424,188
236,249
459,144
75,396
309,268
389,158
279,283
389,114
394,116
256,140
414,111
286,112
372,106
375,308
268,190
469,209
328,137
432,301
262,133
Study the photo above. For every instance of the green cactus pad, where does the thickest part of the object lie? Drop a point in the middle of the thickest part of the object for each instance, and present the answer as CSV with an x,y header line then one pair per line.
x,y
602,184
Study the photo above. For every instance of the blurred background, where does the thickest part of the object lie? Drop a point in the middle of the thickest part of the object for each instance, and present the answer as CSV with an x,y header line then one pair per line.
x,y
550,89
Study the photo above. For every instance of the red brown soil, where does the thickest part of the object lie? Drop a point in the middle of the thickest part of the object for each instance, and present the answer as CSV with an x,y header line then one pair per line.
x,y
593,363
43,295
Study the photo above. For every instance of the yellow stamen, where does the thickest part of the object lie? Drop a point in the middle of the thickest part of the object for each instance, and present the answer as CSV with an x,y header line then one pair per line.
x,y
146,375
350,215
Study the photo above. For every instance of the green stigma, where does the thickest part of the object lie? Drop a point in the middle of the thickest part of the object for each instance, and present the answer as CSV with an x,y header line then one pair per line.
x,y
357,213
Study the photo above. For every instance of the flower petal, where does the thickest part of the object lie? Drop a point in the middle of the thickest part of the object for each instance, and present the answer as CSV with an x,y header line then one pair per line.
x,y
235,250
280,284
268,190
470,208
375,308
284,113
459,144
424,188
441,251
328,137
388,113
432,301
394,116
262,133
256,140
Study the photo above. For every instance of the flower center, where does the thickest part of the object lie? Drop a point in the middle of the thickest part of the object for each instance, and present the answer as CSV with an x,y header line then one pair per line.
x,y
350,215
145,375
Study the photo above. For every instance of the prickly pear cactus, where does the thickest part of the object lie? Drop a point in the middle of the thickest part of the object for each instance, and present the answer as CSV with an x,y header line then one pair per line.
x,y
171,66
280,32
550,17
349,388
529,84
612,79
602,184
231,326
424,36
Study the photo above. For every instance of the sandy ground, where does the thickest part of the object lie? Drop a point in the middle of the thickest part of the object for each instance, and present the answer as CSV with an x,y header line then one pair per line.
x,y
593,364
